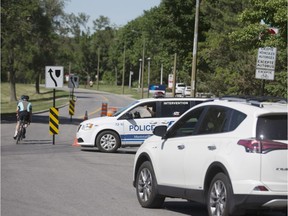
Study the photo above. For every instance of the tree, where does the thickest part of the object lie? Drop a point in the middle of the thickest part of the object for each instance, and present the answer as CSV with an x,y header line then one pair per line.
x,y
16,28
257,21
28,32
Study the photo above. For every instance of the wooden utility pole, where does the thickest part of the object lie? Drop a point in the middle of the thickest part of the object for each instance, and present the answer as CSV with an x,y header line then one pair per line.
x,y
194,60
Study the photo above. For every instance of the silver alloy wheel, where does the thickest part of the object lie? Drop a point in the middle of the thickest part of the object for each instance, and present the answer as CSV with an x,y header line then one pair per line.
x,y
145,184
218,198
108,142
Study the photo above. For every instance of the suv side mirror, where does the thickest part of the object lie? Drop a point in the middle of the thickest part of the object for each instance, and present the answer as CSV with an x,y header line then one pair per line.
x,y
160,130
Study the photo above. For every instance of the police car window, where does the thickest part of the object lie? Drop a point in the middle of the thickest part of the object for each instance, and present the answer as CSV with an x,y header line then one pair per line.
x,y
146,110
186,126
174,108
216,120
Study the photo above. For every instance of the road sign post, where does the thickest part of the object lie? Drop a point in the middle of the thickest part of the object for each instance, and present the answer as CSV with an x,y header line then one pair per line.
x,y
72,83
54,79
265,66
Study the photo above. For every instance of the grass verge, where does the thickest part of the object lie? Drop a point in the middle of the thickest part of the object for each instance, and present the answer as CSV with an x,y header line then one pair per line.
x,y
44,100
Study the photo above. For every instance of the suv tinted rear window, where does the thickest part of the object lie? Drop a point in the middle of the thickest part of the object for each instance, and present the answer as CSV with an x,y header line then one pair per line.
x,y
273,127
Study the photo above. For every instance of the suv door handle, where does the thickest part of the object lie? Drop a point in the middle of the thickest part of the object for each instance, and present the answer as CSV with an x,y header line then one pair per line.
x,y
181,147
212,147
153,122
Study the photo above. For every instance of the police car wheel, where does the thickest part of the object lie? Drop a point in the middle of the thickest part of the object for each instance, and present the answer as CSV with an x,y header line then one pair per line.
x,y
108,141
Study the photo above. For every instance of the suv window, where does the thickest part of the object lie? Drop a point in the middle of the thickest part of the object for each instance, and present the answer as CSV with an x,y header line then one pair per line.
x,y
272,127
174,108
215,121
236,118
220,119
187,124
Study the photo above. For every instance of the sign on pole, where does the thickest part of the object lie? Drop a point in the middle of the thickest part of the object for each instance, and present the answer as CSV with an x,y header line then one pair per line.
x,y
73,81
54,76
266,60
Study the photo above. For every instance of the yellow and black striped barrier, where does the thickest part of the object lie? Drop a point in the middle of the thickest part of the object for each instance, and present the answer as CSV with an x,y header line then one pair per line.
x,y
53,121
71,107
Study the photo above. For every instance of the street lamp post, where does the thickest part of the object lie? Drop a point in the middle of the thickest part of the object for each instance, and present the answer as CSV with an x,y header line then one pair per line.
x,y
148,84
123,75
143,59
139,81
130,78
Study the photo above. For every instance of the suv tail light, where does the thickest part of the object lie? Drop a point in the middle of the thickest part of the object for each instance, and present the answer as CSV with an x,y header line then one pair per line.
x,y
261,146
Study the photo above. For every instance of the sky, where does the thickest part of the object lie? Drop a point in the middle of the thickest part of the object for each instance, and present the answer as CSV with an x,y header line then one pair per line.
x,y
120,12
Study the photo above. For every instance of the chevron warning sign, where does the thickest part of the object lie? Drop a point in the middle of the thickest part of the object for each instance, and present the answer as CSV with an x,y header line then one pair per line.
x,y
71,107
53,121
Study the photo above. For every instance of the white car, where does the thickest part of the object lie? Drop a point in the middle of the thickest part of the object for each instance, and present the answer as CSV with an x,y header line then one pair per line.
x,y
179,88
230,156
187,91
131,125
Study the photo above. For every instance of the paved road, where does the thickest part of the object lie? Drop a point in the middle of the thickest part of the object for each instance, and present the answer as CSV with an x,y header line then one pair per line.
x,y
38,178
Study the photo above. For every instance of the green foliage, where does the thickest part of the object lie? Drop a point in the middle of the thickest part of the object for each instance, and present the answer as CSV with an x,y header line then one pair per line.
x,y
36,33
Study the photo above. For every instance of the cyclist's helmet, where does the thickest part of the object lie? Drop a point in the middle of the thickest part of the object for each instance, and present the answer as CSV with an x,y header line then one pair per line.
x,y
25,97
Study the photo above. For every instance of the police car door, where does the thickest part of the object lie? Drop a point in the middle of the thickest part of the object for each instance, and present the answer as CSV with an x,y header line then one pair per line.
x,y
141,124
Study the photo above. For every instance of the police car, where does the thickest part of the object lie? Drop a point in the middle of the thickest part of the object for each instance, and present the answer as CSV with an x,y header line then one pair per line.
x,y
131,125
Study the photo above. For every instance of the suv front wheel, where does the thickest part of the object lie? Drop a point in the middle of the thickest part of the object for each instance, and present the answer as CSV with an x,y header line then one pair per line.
x,y
146,187
219,197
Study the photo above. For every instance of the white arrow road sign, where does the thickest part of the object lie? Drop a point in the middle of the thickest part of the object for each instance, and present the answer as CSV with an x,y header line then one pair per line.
x,y
54,76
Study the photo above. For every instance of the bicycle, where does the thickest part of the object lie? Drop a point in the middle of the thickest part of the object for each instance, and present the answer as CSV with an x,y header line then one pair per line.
x,y
22,127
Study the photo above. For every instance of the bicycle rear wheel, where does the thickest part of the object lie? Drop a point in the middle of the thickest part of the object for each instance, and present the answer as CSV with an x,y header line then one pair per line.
x,y
20,133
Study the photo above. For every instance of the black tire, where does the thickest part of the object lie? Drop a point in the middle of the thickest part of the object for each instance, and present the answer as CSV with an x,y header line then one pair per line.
x,y
146,187
108,141
19,134
219,198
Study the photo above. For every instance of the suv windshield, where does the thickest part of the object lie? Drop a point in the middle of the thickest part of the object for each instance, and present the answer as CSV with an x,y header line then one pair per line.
x,y
272,127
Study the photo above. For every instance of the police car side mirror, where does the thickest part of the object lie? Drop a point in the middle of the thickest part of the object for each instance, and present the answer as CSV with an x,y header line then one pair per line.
x,y
127,115
160,131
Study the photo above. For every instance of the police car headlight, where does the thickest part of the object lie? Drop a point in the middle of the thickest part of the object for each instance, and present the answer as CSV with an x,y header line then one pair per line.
x,y
87,126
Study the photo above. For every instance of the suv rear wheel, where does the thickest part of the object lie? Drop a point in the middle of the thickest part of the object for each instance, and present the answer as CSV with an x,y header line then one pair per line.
x,y
146,187
219,196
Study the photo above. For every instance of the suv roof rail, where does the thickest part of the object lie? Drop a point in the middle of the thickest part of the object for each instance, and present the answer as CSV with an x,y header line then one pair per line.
x,y
255,100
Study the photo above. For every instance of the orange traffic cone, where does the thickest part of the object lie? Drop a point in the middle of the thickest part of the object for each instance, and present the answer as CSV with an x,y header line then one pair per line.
x,y
75,143
86,115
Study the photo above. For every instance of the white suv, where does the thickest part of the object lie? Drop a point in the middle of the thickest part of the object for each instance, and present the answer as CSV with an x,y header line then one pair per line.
x,y
231,156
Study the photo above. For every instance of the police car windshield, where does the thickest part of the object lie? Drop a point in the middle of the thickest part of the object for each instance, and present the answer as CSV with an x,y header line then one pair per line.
x,y
124,108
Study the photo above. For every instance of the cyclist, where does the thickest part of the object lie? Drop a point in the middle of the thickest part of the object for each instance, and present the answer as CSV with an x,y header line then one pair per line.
x,y
23,112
